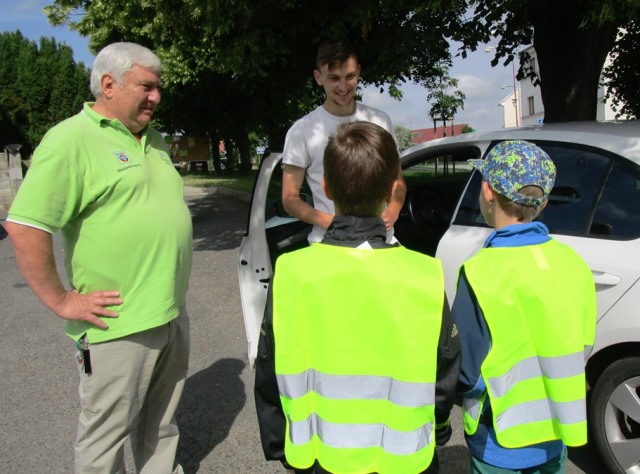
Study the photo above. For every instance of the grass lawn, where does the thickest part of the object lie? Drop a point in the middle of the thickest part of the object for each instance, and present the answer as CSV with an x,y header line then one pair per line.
x,y
203,180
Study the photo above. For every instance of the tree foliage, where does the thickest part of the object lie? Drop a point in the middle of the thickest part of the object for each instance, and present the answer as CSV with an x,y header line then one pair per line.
x,y
234,67
246,65
622,76
40,85
444,96
404,136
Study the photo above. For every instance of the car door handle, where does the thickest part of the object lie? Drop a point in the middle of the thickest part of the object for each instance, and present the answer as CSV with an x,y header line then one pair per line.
x,y
605,279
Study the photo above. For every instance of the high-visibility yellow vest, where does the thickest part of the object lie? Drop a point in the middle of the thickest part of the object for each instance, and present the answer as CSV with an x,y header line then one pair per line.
x,y
539,302
356,335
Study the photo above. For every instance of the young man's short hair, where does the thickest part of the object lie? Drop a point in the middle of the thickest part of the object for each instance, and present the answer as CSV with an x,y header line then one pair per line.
x,y
361,163
335,52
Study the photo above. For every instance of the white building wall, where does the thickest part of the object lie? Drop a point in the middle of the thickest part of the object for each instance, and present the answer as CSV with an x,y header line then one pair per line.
x,y
605,108
529,97
509,111
531,109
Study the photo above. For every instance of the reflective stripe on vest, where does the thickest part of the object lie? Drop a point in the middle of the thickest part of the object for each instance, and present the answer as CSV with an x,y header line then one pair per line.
x,y
361,436
534,376
356,365
551,367
542,410
365,387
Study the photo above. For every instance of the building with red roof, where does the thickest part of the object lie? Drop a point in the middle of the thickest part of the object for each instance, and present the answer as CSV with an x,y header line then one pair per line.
x,y
426,134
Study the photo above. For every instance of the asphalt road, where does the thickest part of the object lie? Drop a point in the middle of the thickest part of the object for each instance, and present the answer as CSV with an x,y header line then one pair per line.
x,y
219,434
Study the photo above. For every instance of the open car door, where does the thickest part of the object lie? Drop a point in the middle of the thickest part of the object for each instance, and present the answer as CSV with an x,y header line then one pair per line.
x,y
270,232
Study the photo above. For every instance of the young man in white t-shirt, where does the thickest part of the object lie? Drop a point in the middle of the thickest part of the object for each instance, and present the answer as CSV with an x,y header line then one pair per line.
x,y
337,71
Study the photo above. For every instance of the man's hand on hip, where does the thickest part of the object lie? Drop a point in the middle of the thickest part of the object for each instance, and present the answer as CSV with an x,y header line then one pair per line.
x,y
87,307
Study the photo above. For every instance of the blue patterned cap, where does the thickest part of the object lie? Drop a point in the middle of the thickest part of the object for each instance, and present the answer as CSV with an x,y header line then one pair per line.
x,y
512,165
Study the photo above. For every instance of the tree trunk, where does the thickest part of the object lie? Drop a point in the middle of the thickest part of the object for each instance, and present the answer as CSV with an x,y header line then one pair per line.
x,y
214,143
245,154
570,60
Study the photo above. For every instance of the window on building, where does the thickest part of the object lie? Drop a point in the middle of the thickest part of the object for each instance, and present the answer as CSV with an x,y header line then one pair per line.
x,y
531,106
532,65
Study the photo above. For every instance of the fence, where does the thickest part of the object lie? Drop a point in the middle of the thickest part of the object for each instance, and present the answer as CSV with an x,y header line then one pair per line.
x,y
10,175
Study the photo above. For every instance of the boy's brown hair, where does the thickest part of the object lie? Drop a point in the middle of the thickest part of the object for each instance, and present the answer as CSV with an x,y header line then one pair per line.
x,y
361,163
522,213
335,52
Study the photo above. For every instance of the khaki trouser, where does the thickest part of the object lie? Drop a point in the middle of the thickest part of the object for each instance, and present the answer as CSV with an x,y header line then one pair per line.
x,y
133,391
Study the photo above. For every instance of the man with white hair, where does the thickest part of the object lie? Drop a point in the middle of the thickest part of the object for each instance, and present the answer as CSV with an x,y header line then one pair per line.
x,y
104,179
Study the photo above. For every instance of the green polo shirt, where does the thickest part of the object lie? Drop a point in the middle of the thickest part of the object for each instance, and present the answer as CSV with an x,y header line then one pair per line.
x,y
120,208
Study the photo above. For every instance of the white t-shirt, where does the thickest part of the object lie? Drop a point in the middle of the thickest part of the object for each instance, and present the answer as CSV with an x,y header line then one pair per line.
x,y
305,143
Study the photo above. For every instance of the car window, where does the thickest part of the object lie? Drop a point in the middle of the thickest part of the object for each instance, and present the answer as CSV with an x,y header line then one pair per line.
x,y
594,194
580,174
618,213
434,184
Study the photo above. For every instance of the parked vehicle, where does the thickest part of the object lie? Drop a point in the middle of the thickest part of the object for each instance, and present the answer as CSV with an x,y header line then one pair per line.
x,y
594,207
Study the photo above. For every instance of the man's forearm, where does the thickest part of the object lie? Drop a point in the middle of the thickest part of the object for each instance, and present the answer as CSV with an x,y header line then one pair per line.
x,y
306,213
34,254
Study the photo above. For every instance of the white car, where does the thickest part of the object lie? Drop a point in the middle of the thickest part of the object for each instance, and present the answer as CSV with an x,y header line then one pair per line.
x,y
594,207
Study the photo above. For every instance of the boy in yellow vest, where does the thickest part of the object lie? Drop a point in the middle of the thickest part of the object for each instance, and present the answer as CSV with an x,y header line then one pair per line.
x,y
366,356
526,310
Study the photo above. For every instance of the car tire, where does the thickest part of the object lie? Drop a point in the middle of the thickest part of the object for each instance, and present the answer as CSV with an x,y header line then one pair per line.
x,y
614,415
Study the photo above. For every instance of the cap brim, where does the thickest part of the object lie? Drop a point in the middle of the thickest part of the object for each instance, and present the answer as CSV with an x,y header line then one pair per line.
x,y
477,164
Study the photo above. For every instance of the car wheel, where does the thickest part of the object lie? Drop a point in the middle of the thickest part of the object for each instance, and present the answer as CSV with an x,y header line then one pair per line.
x,y
614,415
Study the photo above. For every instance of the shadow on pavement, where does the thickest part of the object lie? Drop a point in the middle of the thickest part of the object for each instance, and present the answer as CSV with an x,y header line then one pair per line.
x,y
453,459
219,223
587,459
210,403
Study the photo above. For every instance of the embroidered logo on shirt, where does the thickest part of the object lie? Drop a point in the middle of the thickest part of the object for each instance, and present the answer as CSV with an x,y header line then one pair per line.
x,y
121,156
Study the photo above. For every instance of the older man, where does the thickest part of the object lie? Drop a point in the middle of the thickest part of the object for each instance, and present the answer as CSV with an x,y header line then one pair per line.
x,y
104,179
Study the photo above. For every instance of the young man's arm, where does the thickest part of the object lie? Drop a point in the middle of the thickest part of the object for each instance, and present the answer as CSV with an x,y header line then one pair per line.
x,y
398,194
292,180
447,374
34,253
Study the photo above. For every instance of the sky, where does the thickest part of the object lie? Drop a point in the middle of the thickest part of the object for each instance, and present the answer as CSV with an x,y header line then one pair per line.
x,y
483,85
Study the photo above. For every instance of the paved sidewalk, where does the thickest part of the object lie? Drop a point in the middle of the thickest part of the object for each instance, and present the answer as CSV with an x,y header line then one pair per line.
x,y
191,192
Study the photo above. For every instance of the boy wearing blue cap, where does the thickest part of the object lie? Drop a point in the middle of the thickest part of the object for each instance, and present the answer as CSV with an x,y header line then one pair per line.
x,y
525,309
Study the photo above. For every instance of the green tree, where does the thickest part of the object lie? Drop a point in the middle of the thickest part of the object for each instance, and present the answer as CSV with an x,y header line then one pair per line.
x,y
40,85
246,65
243,66
571,37
404,136
622,76
445,99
